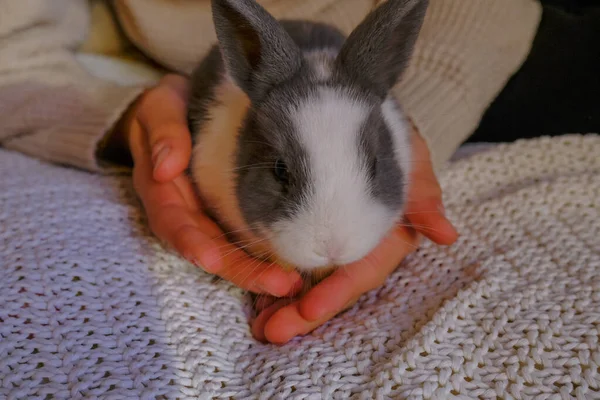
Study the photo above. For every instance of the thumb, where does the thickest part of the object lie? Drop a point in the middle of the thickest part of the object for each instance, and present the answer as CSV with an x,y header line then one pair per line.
x,y
162,115
427,217
424,209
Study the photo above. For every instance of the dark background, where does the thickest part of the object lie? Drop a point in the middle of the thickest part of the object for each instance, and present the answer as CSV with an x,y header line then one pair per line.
x,y
557,89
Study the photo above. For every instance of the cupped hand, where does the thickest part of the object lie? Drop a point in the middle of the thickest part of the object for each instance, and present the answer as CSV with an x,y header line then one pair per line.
x,y
156,133
283,319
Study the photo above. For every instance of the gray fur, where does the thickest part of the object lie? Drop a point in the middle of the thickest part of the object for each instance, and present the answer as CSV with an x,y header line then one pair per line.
x,y
269,135
257,50
203,81
268,61
308,36
387,181
378,51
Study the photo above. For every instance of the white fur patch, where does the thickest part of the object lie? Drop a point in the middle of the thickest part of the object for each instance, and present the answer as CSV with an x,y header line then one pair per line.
x,y
340,222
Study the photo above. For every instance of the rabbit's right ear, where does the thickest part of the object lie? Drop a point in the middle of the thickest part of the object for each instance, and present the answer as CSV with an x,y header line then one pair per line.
x,y
257,51
378,51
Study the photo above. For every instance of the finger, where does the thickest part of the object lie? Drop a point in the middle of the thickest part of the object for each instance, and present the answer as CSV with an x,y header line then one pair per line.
x,y
424,208
162,114
179,84
258,325
187,192
152,192
139,146
142,169
424,183
427,217
177,227
351,281
233,264
185,233
168,205
250,273
196,237
154,195
282,322
263,302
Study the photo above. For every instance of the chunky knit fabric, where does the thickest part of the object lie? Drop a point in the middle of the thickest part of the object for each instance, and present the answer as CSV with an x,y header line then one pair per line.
x,y
92,307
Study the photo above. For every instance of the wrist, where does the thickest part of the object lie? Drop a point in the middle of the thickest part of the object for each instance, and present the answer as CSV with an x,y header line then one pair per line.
x,y
114,146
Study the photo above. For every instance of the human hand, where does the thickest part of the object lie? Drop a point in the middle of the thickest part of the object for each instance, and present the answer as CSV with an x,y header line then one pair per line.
x,y
156,133
281,320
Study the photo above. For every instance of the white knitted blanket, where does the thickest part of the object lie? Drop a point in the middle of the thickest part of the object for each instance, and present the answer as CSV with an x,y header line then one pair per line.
x,y
91,307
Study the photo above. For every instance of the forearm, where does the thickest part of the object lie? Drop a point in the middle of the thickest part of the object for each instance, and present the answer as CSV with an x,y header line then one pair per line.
x,y
50,106
62,124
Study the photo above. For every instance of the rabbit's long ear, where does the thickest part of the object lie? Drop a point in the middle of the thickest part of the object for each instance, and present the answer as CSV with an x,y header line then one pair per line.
x,y
378,50
257,51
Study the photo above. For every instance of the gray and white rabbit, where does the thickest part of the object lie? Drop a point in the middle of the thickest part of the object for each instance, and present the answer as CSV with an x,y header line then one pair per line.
x,y
300,152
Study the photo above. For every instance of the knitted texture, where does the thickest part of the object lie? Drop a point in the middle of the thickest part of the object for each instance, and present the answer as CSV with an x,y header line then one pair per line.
x,y
92,307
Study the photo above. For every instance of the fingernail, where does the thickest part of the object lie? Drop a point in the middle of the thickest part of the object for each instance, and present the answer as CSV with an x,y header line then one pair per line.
x,y
264,289
210,259
272,283
159,153
272,291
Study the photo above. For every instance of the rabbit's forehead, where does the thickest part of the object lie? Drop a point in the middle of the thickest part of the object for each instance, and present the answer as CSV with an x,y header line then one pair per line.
x,y
328,124
342,136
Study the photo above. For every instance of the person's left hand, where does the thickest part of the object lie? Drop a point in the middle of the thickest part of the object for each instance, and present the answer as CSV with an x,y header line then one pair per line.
x,y
283,319
154,132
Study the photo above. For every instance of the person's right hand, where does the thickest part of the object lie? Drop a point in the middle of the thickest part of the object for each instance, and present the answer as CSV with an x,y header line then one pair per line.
x,y
156,133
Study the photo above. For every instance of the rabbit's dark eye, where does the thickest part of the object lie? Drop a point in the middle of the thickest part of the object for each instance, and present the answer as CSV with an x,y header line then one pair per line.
x,y
281,172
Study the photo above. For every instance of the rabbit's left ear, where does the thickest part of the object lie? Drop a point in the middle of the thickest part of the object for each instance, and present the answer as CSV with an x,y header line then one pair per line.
x,y
379,49
257,51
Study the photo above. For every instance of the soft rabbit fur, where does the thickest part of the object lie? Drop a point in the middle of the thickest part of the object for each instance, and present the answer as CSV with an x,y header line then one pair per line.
x,y
300,152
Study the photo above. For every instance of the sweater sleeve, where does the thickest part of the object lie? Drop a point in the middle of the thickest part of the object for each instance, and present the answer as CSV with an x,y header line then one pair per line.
x,y
51,107
465,54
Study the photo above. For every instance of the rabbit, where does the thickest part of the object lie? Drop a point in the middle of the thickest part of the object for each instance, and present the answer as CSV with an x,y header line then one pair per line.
x,y
300,152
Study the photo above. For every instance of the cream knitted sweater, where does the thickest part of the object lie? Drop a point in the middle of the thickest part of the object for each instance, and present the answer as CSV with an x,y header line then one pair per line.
x,y
511,311
58,98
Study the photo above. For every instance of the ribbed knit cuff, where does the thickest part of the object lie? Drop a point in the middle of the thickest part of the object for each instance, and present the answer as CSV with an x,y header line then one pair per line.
x,y
63,124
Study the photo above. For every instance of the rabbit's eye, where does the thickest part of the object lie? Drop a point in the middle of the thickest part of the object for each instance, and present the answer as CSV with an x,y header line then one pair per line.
x,y
280,171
